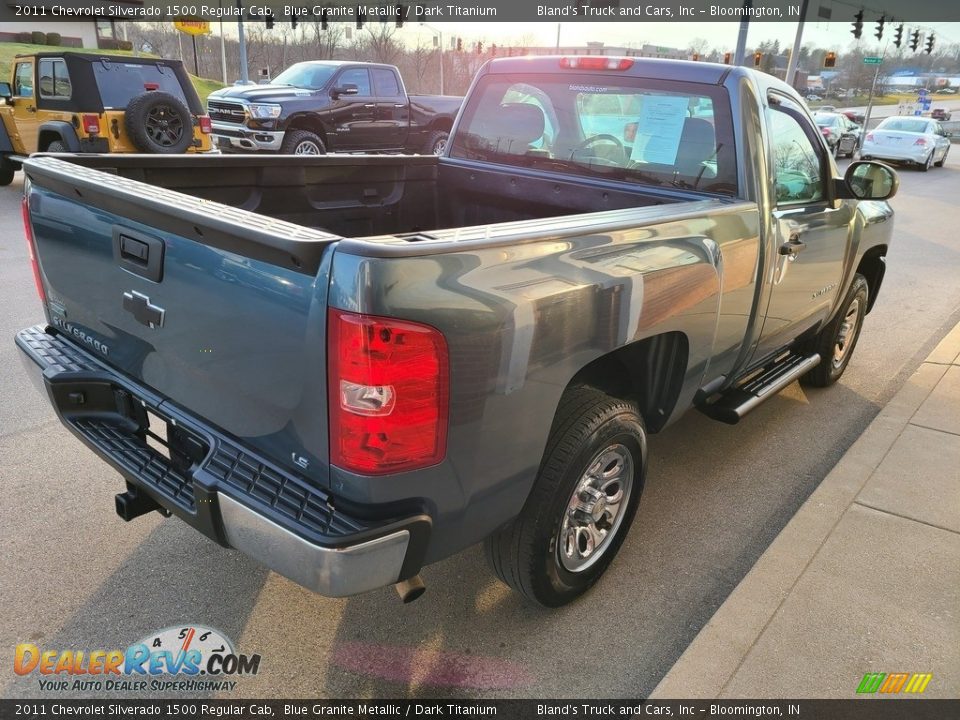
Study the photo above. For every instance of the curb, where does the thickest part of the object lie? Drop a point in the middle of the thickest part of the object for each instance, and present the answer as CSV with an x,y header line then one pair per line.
x,y
717,652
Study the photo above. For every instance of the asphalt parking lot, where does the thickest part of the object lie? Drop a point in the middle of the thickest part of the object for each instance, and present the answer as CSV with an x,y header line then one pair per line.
x,y
73,575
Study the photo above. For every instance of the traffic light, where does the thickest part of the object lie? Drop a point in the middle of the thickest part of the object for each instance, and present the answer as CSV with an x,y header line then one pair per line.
x,y
459,44
879,33
399,20
857,25
898,35
915,40
756,58
361,18
726,58
830,60
479,48
929,44
696,57
269,20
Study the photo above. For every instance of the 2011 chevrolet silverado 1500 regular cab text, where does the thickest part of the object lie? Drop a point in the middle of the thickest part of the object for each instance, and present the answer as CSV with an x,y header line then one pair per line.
x,y
349,367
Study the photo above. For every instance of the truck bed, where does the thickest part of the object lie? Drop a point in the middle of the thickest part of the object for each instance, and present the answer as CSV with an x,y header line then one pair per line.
x,y
363,196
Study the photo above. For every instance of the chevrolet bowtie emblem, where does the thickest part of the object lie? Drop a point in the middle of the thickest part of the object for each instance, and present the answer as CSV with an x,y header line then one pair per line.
x,y
140,307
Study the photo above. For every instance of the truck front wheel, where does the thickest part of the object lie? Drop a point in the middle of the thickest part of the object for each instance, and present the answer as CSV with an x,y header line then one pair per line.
x,y
6,172
836,342
582,503
436,143
302,142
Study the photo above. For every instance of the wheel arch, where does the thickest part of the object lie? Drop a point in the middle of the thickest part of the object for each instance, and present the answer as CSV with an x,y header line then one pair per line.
x,y
306,121
58,130
649,371
873,266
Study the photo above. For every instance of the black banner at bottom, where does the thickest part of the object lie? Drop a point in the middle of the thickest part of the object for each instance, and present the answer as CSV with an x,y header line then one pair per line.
x,y
853,709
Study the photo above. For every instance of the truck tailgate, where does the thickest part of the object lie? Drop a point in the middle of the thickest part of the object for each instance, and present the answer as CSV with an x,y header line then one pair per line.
x,y
219,310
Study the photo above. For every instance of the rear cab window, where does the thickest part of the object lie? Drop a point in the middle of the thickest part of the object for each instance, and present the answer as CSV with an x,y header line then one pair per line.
x,y
636,130
385,83
54,79
120,82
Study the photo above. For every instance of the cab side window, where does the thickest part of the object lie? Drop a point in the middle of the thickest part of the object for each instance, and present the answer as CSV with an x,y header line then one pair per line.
x,y
54,80
359,77
798,163
23,80
385,83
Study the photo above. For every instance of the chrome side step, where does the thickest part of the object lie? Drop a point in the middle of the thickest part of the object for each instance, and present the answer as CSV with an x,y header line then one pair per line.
x,y
733,404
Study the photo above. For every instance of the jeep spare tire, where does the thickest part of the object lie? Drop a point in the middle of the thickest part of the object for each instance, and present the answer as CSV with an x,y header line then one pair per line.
x,y
158,122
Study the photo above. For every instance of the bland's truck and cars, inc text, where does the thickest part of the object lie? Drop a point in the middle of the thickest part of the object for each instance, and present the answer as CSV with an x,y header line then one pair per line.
x,y
349,367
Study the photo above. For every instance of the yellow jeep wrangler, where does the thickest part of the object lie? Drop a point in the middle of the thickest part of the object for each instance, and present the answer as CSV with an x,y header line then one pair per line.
x,y
74,102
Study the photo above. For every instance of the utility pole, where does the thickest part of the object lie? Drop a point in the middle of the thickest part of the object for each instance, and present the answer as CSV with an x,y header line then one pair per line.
x,y
738,57
223,47
873,87
244,72
795,55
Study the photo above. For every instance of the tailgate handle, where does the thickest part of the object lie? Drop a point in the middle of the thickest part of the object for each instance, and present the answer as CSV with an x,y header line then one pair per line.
x,y
138,254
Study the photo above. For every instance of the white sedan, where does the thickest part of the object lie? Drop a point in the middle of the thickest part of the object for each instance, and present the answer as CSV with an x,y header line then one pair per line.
x,y
916,140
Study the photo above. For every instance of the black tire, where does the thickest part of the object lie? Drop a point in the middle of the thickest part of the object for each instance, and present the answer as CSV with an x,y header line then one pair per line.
x,y
302,142
525,553
928,163
56,146
159,123
7,171
436,143
829,342
943,160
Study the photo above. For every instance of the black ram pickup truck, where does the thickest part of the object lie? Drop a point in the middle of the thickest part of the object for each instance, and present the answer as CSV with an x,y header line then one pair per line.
x,y
315,107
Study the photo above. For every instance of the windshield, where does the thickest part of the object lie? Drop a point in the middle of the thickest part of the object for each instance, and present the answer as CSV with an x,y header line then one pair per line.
x,y
620,128
904,125
305,75
826,120
120,82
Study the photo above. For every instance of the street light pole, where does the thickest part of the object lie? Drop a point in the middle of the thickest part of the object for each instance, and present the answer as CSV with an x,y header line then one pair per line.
x,y
244,72
223,47
795,55
742,37
439,35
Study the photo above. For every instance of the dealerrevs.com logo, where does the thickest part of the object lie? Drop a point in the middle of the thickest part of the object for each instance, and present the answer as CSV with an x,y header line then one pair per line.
x,y
188,658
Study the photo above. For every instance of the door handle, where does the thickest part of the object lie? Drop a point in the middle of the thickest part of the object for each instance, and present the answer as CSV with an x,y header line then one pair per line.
x,y
370,105
399,105
793,246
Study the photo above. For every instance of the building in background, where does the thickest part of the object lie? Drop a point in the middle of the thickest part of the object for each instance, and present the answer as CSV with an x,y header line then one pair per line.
x,y
104,33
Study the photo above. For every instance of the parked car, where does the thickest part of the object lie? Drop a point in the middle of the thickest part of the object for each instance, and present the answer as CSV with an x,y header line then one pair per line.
x,y
841,134
418,353
913,140
940,114
76,102
827,108
813,98
856,118
315,107
947,91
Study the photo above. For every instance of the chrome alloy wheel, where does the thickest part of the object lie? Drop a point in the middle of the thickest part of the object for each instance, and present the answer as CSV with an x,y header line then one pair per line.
x,y
596,508
846,333
307,147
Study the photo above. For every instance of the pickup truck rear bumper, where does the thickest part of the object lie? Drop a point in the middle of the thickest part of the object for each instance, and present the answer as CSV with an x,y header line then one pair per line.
x,y
214,483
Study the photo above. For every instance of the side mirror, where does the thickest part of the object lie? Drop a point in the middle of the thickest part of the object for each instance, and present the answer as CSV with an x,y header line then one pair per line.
x,y
5,92
345,89
869,180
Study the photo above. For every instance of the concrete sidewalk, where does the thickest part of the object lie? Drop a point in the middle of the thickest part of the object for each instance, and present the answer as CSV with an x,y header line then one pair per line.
x,y
864,578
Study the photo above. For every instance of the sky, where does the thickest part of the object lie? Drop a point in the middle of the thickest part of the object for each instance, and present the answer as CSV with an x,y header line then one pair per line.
x,y
720,35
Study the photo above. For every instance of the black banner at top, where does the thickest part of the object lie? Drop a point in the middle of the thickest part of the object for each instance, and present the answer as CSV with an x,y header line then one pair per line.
x,y
481,10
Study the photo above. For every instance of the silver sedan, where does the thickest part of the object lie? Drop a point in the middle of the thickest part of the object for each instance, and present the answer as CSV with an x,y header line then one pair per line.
x,y
916,140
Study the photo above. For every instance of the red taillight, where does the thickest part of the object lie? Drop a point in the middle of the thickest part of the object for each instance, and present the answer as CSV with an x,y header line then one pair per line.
x,y
91,124
205,126
31,248
920,141
595,62
825,131
388,386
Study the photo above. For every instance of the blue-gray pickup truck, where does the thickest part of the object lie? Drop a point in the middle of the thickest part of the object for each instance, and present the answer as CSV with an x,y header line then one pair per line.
x,y
349,367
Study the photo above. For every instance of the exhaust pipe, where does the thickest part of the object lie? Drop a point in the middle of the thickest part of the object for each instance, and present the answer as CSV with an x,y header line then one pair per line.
x,y
410,589
133,503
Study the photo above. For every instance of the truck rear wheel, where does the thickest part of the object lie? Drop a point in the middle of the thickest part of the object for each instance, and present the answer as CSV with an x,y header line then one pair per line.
x,y
6,172
436,143
582,503
836,342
